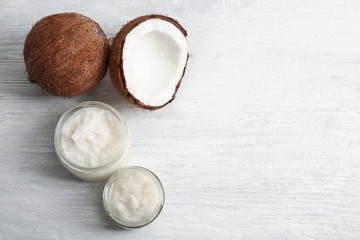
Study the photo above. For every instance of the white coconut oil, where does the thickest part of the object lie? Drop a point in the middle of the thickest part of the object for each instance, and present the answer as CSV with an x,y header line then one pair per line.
x,y
92,140
92,137
133,197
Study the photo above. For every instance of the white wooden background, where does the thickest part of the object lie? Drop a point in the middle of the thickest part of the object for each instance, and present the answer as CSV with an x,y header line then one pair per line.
x,y
262,141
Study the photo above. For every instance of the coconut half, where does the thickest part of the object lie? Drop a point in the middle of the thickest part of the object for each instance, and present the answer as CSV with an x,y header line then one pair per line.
x,y
148,59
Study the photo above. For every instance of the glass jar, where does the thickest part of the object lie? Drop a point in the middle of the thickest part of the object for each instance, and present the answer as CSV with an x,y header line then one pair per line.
x,y
110,187
101,172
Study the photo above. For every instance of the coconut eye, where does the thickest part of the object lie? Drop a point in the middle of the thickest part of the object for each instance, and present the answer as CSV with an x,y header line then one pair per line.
x,y
148,60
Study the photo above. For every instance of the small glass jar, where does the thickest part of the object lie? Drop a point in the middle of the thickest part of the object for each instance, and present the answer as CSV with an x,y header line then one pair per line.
x,y
101,172
150,217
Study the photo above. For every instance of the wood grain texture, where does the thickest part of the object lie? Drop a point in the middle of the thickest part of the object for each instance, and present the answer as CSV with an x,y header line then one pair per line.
x,y
261,142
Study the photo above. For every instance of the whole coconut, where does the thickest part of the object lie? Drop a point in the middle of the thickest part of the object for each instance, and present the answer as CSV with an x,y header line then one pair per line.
x,y
66,54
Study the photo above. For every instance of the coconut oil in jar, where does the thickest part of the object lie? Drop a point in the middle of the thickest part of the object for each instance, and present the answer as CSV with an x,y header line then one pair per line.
x,y
133,197
92,140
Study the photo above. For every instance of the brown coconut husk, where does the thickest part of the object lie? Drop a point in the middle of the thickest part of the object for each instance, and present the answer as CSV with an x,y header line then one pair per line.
x,y
116,60
66,54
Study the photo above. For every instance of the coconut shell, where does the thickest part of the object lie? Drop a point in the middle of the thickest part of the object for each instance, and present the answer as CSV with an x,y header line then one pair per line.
x,y
66,54
116,59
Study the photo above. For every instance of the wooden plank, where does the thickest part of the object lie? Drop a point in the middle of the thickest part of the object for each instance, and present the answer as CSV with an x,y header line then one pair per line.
x,y
261,142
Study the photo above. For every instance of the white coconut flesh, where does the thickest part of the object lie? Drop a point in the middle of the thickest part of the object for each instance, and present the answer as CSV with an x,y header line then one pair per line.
x,y
154,57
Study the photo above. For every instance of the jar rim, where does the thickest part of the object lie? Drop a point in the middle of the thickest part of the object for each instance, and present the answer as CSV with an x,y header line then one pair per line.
x,y
67,114
155,213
